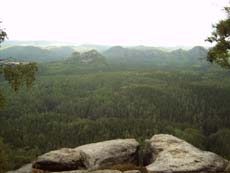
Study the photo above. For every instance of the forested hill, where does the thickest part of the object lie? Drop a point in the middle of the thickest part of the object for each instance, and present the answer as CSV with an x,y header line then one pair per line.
x,y
119,53
35,54
89,57
115,54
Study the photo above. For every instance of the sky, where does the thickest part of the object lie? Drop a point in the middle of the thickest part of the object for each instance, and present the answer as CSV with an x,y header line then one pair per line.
x,y
112,22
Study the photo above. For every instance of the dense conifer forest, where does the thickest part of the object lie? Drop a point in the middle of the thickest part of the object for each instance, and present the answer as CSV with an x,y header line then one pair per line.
x,y
96,96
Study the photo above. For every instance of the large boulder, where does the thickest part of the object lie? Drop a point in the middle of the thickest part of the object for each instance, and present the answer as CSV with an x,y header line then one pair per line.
x,y
74,171
134,171
85,171
64,159
171,154
24,169
90,156
108,153
105,171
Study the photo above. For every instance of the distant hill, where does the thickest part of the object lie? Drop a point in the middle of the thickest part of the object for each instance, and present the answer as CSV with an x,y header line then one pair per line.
x,y
88,47
154,55
198,52
45,44
63,51
117,54
89,57
36,54
76,63
40,43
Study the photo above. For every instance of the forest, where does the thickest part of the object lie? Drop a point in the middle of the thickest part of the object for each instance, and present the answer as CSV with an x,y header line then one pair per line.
x,y
118,93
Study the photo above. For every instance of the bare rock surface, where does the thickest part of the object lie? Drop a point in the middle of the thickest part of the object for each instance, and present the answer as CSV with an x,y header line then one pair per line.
x,y
108,153
99,171
105,171
90,156
24,169
59,160
171,154
74,171
133,171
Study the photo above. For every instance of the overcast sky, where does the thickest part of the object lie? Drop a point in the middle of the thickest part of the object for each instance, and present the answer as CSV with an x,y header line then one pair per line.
x,y
112,22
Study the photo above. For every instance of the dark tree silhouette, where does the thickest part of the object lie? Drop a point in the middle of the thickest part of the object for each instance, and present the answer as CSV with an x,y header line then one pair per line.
x,y
3,34
221,38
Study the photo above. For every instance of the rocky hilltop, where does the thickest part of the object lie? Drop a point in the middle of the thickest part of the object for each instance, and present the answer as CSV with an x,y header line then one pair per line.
x,y
89,57
162,153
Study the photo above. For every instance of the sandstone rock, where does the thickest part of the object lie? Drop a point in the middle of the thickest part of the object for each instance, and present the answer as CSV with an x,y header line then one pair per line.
x,y
105,171
108,153
90,156
95,171
24,169
60,160
133,171
74,171
171,154
91,56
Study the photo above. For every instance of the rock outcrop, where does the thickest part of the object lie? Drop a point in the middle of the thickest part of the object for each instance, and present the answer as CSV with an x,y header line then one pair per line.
x,y
164,153
24,169
171,154
100,171
113,152
92,56
90,156
96,171
60,160
106,171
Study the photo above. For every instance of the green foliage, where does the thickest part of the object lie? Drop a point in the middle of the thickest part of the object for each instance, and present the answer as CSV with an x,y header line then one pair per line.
x,y
2,100
20,156
72,104
17,75
3,34
220,142
193,136
4,157
220,36
35,54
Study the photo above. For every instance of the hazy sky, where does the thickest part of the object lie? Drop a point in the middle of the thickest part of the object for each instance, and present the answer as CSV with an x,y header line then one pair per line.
x,y
113,22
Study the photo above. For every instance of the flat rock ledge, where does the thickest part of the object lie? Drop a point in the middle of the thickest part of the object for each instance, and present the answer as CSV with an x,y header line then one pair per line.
x,y
24,169
171,154
90,156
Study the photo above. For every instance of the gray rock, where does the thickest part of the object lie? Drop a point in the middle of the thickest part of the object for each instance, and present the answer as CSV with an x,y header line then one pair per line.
x,y
171,154
133,171
64,159
74,171
85,171
108,153
90,156
105,171
24,169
